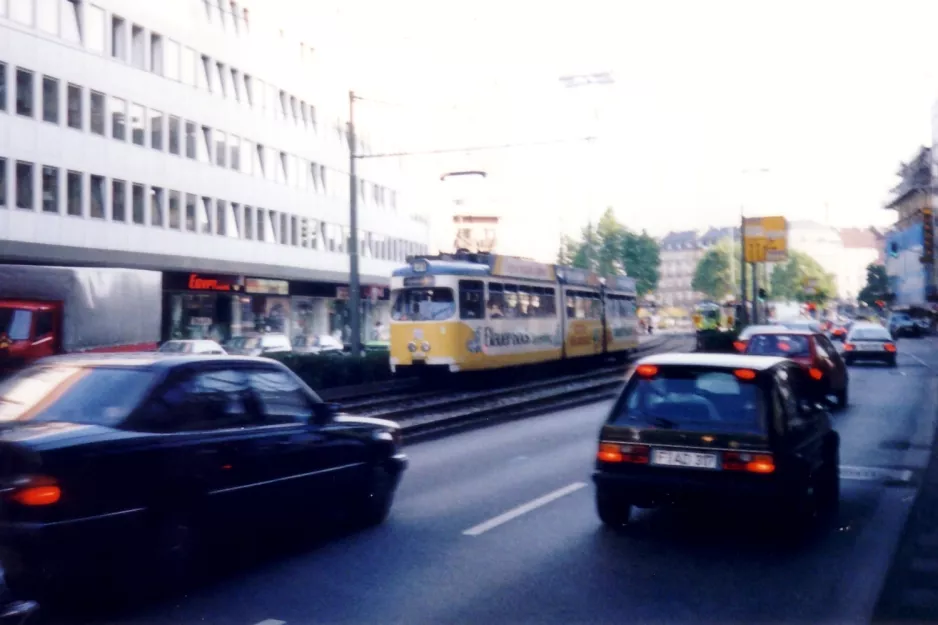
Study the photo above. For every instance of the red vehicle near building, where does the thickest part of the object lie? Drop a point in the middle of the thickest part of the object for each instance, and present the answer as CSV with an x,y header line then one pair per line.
x,y
46,311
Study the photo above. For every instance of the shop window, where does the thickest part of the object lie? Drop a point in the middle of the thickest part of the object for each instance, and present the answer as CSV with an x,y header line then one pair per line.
x,y
24,92
50,100
156,130
471,299
137,198
73,190
74,113
118,200
175,200
98,113
50,189
24,185
96,196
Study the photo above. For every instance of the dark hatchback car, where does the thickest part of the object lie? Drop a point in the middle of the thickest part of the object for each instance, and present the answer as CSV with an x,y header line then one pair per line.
x,y
813,351
110,455
713,428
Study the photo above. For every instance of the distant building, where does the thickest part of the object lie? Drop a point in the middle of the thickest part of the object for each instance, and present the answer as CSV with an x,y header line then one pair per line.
x,y
910,281
679,254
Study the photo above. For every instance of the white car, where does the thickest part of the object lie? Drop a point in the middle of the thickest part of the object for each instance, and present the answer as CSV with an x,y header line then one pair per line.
x,y
195,346
869,341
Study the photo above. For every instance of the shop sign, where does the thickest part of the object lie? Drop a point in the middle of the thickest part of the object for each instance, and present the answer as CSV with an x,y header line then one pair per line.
x,y
199,282
263,286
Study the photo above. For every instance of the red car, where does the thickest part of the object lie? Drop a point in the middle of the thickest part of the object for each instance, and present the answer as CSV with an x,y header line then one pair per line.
x,y
812,350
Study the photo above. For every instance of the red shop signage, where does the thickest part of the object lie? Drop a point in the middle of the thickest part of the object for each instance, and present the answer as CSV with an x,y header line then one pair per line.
x,y
198,282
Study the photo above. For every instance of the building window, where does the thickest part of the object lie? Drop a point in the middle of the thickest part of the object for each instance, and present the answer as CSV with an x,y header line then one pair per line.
x,y
47,16
207,73
236,84
137,124
246,159
222,82
95,21
3,87
118,200
156,206
3,183
24,92
191,205
190,140
97,113
220,150
74,106
282,169
174,209
156,130
138,47
188,67
118,38
174,129
248,222
137,198
156,53
205,216
205,146
234,150
50,189
73,193
118,117
50,100
22,11
249,89
172,60
24,185
220,222
71,22
97,196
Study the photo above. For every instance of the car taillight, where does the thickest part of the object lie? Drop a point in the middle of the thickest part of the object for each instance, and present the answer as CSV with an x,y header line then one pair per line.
x,y
815,373
618,452
891,347
34,490
849,347
751,463
740,345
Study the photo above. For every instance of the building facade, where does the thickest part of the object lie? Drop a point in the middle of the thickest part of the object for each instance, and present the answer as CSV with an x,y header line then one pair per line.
x,y
178,136
911,282
679,254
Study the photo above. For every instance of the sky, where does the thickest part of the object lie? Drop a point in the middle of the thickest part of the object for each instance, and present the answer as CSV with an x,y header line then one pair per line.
x,y
828,96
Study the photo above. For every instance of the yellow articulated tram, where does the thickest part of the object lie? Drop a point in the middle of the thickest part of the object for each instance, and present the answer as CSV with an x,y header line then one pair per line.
x,y
471,312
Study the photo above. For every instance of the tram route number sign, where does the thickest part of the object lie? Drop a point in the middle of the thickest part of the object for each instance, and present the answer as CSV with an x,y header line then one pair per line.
x,y
765,239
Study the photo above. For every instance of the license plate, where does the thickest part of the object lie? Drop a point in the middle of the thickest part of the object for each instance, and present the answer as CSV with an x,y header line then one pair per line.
x,y
870,347
673,458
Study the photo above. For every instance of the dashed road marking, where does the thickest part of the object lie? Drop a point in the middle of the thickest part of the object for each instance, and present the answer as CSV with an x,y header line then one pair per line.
x,y
914,357
514,513
875,474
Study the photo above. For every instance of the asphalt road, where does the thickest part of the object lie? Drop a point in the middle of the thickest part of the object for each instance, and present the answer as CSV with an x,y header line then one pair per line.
x,y
497,526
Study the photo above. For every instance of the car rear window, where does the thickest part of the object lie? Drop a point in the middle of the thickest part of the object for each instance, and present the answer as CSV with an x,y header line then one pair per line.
x,y
695,400
870,334
784,345
96,395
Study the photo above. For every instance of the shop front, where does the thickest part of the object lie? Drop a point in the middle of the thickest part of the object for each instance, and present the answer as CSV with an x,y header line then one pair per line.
x,y
222,306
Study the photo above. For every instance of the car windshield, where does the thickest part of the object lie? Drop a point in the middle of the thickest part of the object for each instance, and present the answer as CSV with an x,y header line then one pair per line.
x,y
15,323
870,334
96,395
784,345
696,400
423,305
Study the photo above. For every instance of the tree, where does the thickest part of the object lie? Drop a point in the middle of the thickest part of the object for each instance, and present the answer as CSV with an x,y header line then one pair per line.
x,y
611,249
789,278
717,272
877,285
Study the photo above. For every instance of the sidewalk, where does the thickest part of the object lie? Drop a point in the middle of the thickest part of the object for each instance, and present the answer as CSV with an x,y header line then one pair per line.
x,y
910,591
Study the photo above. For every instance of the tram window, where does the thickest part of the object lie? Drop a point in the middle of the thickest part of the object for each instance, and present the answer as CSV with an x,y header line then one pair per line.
x,y
423,304
548,307
571,306
471,297
511,301
524,302
496,302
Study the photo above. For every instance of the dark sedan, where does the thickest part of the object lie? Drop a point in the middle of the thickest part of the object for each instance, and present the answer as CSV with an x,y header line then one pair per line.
x,y
111,455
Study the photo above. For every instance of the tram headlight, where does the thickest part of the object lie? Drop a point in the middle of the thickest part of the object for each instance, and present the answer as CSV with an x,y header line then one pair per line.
x,y
411,347
425,347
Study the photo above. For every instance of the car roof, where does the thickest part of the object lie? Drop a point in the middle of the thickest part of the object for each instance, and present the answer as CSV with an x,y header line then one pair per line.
x,y
146,360
867,325
727,361
786,331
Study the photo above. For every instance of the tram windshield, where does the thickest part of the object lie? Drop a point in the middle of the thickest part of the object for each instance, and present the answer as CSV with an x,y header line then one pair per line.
x,y
423,304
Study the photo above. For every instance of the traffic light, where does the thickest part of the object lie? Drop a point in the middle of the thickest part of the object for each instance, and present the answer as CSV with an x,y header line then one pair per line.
x,y
928,236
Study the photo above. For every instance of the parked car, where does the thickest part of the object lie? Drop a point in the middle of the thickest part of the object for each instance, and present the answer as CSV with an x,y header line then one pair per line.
x,y
198,346
313,344
259,344
141,455
708,429
813,351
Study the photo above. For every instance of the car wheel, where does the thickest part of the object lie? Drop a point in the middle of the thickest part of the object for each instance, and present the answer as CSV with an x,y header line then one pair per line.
x,y
613,512
374,505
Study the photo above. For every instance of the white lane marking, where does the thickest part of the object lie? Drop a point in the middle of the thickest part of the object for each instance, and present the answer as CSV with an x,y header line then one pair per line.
x,y
523,509
874,474
271,621
914,357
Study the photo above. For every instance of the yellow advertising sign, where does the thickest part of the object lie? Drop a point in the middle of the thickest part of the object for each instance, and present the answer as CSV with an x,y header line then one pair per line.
x,y
765,239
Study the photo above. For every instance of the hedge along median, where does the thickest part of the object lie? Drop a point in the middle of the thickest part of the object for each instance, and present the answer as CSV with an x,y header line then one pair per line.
x,y
323,371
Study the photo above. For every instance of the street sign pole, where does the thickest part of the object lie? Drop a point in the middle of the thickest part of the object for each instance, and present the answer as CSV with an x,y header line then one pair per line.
x,y
742,265
755,293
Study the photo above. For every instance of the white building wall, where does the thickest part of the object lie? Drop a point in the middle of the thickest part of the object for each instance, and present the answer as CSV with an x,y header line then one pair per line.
x,y
309,195
820,242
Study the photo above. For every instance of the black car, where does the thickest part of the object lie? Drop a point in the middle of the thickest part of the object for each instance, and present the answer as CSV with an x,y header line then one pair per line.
x,y
105,455
709,428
